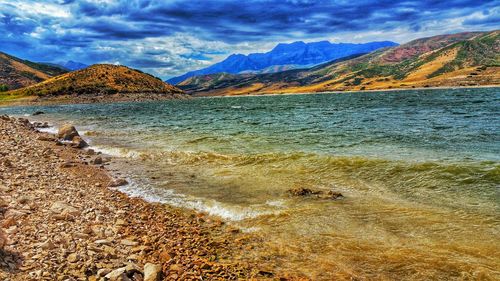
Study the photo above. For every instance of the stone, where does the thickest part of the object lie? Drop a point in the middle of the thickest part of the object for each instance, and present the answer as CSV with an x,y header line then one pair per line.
x,y
38,113
120,222
129,243
62,208
47,245
46,138
11,213
152,272
96,161
73,258
115,274
123,273
67,132
301,191
103,272
304,192
165,256
102,242
3,239
23,199
332,195
131,268
117,182
78,142
9,222
67,164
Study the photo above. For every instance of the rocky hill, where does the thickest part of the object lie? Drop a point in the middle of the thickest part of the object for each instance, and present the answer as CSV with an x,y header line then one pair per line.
x,y
464,59
17,73
286,56
100,82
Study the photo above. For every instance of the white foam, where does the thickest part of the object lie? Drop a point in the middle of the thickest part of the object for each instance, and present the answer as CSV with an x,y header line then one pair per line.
x,y
117,152
276,203
211,207
51,130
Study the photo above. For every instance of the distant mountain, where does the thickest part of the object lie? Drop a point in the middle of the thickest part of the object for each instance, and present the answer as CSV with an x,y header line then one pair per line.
x,y
73,65
291,55
16,73
463,59
100,82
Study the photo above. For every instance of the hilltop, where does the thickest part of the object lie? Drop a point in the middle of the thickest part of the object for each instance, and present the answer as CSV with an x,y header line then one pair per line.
x,y
100,82
286,56
17,73
463,59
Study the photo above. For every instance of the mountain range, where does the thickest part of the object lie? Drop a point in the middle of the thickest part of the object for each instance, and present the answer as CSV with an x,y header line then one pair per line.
x,y
72,65
284,57
462,59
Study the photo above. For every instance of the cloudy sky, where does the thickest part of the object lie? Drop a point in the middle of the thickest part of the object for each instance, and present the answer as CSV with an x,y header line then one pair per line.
x,y
170,37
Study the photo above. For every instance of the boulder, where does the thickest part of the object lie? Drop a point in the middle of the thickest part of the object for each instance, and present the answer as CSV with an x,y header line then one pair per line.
x,y
38,113
67,132
152,272
78,142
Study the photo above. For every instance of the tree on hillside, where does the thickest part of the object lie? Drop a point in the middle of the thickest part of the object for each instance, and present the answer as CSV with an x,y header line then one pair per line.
x,y
4,88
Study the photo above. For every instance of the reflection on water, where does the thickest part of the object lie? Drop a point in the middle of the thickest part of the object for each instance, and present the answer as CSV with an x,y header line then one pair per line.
x,y
419,170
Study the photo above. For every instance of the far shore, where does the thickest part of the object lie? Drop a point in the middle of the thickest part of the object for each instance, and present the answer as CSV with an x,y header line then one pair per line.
x,y
350,91
31,101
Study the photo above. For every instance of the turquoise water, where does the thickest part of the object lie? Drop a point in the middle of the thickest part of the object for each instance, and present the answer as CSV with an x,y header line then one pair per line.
x,y
419,170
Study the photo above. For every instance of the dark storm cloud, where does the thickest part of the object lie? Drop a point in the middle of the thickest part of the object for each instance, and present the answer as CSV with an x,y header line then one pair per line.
x,y
237,21
116,30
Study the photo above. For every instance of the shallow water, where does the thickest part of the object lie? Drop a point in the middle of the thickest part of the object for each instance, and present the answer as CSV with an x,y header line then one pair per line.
x,y
420,172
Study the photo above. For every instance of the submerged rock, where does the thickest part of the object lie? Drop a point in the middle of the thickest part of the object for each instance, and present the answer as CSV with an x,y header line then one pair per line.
x,y
301,191
304,192
38,113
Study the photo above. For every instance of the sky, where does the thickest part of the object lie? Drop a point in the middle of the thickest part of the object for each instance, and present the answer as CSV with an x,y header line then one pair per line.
x,y
168,38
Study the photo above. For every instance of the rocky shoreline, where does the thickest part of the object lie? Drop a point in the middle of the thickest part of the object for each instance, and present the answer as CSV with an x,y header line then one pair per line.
x,y
61,220
90,98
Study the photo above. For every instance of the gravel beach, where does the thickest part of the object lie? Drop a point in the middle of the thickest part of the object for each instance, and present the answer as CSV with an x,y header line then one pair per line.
x,y
61,220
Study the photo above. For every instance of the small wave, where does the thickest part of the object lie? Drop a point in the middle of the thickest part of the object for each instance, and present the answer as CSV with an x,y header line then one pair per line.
x,y
117,152
211,207
276,203
51,130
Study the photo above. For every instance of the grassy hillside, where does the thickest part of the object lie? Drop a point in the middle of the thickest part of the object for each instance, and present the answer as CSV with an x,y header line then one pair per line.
x,y
464,59
17,73
98,81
